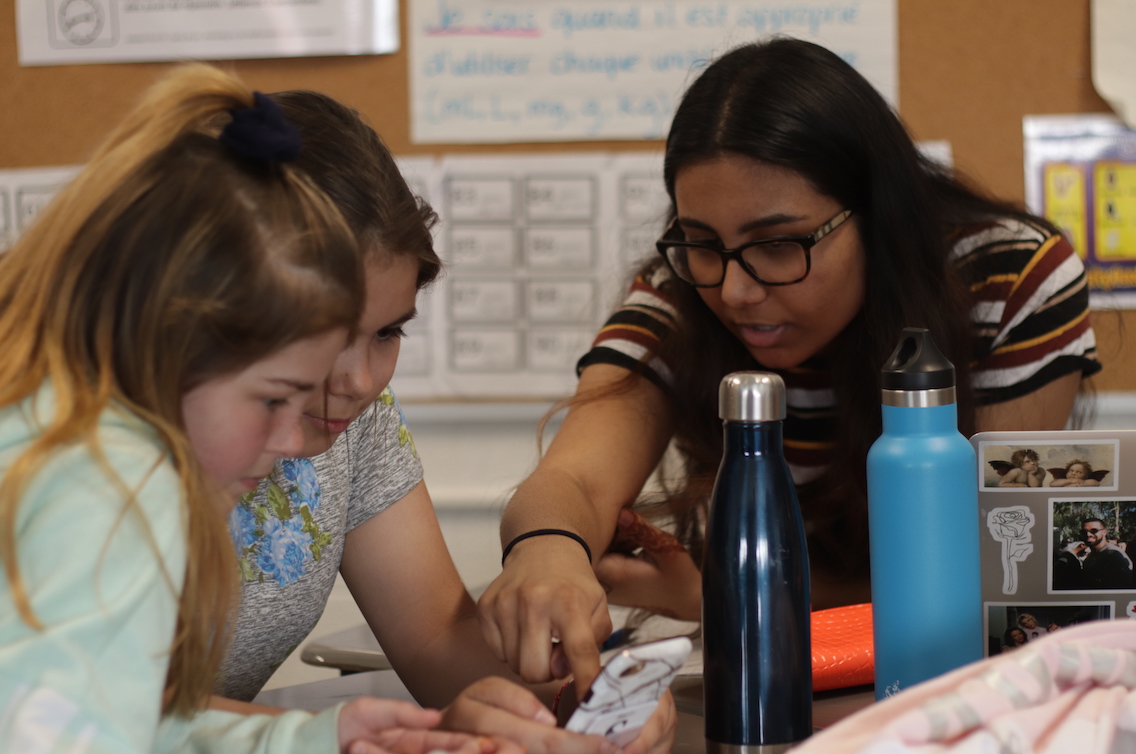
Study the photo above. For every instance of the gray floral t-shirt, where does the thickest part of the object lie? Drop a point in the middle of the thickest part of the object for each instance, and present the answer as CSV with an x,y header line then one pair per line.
x,y
289,536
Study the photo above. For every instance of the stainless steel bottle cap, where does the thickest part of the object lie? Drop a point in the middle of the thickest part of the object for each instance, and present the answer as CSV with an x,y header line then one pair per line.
x,y
751,397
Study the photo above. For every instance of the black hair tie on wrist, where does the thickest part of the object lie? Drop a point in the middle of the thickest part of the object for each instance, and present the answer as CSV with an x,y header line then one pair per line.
x,y
542,532
261,132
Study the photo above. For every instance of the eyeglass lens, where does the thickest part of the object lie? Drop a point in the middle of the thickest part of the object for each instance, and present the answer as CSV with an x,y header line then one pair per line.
x,y
771,262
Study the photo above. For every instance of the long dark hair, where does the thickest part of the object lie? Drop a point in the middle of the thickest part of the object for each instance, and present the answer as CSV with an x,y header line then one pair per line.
x,y
796,105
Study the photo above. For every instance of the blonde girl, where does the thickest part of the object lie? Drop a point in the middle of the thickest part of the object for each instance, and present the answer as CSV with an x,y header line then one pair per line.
x,y
164,321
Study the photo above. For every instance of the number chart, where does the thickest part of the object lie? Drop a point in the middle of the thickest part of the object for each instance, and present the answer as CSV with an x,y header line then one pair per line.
x,y
538,250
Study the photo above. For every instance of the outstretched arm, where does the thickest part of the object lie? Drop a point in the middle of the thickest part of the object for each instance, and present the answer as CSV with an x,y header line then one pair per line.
x,y
398,569
396,564
598,462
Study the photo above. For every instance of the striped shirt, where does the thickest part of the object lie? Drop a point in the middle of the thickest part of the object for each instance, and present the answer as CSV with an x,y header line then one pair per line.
x,y
1030,315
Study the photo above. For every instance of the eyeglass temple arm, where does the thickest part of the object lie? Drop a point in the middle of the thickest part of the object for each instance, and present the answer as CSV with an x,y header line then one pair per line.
x,y
831,225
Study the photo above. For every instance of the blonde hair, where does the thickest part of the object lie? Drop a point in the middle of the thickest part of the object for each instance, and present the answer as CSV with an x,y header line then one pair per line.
x,y
169,260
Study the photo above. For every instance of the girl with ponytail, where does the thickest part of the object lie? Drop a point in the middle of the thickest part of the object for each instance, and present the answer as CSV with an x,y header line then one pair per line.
x,y
164,321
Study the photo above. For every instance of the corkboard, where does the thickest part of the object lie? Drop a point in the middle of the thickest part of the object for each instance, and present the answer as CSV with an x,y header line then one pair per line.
x,y
968,71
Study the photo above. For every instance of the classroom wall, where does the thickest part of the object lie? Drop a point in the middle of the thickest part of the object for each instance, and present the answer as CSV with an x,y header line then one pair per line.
x,y
968,71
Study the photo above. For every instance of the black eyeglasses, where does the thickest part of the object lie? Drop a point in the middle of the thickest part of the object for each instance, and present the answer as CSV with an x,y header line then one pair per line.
x,y
773,261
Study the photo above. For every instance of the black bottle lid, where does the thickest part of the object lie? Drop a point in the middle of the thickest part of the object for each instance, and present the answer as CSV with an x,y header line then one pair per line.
x,y
917,364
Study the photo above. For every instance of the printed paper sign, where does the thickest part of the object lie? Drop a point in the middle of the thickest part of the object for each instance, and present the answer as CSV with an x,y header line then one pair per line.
x,y
23,193
538,249
61,32
493,71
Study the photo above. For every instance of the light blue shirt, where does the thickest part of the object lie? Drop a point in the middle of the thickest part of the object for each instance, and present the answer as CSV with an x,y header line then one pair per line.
x,y
103,573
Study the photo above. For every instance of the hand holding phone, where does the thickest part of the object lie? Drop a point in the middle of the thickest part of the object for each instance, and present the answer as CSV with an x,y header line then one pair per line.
x,y
627,690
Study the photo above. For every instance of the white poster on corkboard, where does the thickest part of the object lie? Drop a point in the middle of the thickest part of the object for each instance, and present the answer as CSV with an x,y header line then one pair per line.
x,y
64,32
496,71
23,193
538,249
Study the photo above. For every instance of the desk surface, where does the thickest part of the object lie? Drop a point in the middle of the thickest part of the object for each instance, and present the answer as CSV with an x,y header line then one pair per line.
x,y
353,649
356,650
828,706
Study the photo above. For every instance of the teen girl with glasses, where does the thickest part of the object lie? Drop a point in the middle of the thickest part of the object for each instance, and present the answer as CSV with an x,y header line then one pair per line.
x,y
807,231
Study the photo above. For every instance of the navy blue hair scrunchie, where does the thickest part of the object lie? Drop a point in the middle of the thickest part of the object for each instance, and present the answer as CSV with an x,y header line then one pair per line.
x,y
262,132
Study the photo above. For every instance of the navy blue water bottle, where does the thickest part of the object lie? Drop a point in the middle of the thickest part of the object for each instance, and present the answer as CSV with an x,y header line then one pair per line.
x,y
757,661
923,523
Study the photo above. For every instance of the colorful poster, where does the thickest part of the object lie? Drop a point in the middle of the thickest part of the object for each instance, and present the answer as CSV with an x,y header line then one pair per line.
x,y
1081,175
1065,202
1114,184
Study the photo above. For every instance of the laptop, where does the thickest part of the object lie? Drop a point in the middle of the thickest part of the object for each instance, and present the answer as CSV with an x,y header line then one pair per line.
x,y
1057,531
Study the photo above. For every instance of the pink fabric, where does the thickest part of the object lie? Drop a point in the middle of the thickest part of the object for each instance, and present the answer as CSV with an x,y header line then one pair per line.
x,y
1072,691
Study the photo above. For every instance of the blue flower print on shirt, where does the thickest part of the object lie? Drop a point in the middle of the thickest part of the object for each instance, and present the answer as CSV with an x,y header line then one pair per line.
x,y
273,528
302,473
243,526
284,550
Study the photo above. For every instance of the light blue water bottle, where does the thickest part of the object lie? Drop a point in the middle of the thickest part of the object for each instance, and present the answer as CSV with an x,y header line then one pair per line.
x,y
923,523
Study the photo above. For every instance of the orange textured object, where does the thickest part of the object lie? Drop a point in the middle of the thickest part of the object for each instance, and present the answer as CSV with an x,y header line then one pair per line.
x,y
842,647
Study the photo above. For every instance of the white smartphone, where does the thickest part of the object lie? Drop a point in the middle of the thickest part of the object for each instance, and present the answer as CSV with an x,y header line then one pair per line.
x,y
628,688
